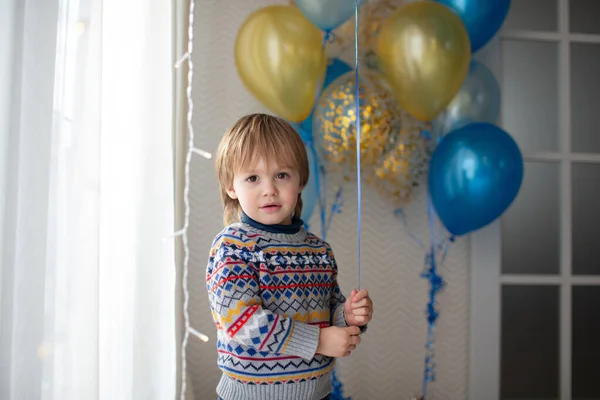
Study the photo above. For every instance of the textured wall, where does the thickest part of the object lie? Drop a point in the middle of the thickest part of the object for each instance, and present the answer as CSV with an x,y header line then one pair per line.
x,y
389,362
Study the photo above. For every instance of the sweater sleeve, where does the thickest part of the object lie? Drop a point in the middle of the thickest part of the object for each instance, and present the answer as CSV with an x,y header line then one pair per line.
x,y
232,281
337,298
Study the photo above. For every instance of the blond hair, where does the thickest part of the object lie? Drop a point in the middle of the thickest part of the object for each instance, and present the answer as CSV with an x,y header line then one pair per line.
x,y
254,137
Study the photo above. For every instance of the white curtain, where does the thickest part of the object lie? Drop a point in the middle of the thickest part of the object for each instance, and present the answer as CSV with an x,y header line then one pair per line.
x,y
87,281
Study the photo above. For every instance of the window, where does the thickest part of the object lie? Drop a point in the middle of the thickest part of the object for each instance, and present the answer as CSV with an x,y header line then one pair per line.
x,y
536,274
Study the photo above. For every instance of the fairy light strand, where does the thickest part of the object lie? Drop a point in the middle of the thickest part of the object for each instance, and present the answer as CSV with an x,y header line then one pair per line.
x,y
191,150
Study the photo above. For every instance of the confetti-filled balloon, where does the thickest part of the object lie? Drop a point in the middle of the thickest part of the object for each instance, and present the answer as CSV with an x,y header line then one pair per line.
x,y
334,119
371,16
404,165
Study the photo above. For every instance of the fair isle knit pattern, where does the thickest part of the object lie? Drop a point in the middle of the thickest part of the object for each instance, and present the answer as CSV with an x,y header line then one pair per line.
x,y
270,293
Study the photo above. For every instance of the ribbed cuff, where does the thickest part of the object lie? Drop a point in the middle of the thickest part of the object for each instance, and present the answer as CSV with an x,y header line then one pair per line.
x,y
303,341
317,388
339,319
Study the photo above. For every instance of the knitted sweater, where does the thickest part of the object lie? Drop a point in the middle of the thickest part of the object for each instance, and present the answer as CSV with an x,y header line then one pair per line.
x,y
270,293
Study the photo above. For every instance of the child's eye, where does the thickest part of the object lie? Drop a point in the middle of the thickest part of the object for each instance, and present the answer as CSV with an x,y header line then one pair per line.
x,y
283,175
252,178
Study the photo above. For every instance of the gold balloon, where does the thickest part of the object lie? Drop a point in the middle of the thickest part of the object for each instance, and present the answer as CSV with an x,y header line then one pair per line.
x,y
280,58
334,122
404,164
424,50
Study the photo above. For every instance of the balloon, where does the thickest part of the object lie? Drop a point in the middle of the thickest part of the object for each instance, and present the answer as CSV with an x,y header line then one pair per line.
x,y
423,49
310,193
327,14
478,100
335,68
481,18
372,15
280,58
334,129
475,173
403,166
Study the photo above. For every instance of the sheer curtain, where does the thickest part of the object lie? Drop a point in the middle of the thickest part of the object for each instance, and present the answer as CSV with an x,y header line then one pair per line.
x,y
87,280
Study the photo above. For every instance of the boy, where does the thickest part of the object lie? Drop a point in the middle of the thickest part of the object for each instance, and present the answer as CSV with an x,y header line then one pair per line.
x,y
280,315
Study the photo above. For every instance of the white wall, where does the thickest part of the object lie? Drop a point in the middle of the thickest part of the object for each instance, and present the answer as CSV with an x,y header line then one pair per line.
x,y
389,362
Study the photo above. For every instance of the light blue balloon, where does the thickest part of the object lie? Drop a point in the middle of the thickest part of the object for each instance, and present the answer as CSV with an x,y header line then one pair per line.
x,y
310,193
482,18
327,14
475,173
478,100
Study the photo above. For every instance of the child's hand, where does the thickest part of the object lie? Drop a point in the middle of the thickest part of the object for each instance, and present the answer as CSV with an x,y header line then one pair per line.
x,y
358,309
338,342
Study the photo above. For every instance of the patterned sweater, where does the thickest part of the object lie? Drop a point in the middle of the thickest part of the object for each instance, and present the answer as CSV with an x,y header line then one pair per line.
x,y
270,293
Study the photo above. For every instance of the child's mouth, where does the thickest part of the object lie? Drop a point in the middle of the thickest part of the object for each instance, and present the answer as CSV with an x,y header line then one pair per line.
x,y
271,207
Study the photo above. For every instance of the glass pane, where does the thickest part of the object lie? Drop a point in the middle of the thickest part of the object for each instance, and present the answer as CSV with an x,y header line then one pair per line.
x,y
531,226
530,342
530,94
584,16
586,219
585,96
586,346
533,15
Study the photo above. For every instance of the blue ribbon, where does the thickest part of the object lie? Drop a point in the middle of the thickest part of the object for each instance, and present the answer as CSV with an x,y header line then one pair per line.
x,y
436,284
321,174
320,192
435,255
337,389
357,111
321,178
426,135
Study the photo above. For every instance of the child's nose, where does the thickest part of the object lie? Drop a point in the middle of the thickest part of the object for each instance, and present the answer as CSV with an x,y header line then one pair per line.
x,y
270,189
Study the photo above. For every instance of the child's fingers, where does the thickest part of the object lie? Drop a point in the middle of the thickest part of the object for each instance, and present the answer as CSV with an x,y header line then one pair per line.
x,y
360,295
361,311
361,303
361,318
352,294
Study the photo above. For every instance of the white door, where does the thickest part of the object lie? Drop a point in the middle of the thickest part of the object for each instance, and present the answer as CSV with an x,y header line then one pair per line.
x,y
535,316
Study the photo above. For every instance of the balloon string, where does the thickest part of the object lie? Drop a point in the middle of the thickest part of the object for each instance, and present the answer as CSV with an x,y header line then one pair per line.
x,y
357,105
320,185
320,190
320,182
436,283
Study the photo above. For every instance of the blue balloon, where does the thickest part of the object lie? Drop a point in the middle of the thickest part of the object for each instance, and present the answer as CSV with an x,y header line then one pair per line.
x,y
475,173
478,100
482,18
310,193
335,69
327,14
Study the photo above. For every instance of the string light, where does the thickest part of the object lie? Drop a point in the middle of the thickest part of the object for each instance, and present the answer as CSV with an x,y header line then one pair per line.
x,y
191,150
202,153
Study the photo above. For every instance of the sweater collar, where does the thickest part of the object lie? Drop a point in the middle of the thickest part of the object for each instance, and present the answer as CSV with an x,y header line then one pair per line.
x,y
292,228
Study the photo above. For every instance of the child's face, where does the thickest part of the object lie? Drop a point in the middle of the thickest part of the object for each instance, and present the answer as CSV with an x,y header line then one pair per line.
x,y
267,193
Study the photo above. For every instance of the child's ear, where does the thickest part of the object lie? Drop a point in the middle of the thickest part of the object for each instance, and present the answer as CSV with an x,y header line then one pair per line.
x,y
232,193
